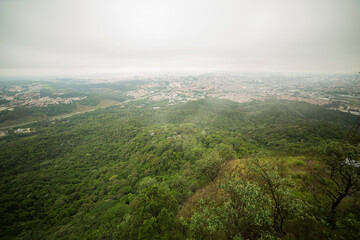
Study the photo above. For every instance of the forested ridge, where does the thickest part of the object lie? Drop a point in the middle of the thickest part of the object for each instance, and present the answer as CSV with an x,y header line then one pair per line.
x,y
207,169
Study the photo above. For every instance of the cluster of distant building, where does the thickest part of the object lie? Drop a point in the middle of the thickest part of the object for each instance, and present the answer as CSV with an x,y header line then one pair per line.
x,y
4,133
337,92
30,96
333,91
45,101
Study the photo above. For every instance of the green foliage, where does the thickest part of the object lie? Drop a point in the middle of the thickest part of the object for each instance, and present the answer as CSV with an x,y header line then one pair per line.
x,y
3,101
91,100
210,164
120,173
284,204
153,215
242,214
45,92
342,177
265,208
37,112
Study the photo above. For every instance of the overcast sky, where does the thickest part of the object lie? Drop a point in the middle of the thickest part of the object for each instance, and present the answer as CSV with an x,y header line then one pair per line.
x,y
75,36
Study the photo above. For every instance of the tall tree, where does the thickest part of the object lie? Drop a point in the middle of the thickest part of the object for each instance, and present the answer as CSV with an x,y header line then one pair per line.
x,y
343,173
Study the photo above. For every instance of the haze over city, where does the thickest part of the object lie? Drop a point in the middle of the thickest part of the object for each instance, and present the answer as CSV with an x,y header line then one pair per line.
x,y
44,38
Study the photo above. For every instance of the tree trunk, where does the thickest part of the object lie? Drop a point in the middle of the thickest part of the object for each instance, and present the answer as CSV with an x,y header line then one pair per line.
x,y
333,209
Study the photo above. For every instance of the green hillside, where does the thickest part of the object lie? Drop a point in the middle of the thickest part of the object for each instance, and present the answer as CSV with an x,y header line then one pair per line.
x,y
133,172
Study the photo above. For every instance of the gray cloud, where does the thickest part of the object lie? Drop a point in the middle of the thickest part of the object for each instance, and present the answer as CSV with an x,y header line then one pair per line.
x,y
218,35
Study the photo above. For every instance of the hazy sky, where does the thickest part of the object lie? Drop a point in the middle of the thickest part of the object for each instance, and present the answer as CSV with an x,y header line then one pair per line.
x,y
84,36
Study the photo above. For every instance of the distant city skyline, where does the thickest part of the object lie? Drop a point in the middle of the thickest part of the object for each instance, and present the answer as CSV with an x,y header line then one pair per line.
x,y
64,38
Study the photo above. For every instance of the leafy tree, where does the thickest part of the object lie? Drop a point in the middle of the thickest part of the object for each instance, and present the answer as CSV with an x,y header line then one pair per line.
x,y
210,164
153,215
243,214
261,207
284,204
342,174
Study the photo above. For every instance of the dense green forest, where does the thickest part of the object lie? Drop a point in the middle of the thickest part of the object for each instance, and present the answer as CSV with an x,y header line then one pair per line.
x,y
207,169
